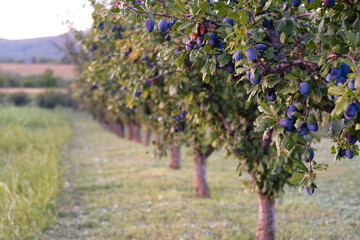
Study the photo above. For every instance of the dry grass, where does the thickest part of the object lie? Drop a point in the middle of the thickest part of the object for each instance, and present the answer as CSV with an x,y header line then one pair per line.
x,y
32,90
60,70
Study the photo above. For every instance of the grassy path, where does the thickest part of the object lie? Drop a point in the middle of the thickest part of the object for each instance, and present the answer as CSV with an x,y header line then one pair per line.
x,y
117,191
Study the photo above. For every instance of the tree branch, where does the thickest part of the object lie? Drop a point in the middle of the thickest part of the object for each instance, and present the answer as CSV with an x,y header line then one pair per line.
x,y
159,76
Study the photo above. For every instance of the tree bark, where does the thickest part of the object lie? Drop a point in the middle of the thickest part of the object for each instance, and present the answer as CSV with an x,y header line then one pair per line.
x,y
175,157
137,133
147,137
201,186
130,134
120,129
266,220
158,142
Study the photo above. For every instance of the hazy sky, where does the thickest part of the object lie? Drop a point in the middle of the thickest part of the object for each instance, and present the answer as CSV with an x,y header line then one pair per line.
x,y
21,19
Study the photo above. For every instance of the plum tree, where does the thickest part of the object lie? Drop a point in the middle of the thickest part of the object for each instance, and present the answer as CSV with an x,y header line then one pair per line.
x,y
285,47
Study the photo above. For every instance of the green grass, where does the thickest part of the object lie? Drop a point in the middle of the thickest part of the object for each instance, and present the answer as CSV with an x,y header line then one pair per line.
x,y
31,142
116,190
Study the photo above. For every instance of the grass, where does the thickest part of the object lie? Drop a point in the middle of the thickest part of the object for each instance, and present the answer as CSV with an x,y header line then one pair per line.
x,y
116,190
30,175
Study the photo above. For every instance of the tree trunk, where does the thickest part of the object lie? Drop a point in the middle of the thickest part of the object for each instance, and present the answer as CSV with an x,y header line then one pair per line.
x,y
147,137
266,220
201,186
137,133
157,145
130,132
120,129
175,157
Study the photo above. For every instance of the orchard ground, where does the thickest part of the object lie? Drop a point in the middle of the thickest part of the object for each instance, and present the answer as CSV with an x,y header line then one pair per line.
x,y
116,190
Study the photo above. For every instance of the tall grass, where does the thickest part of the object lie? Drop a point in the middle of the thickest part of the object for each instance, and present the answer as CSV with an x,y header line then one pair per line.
x,y
30,176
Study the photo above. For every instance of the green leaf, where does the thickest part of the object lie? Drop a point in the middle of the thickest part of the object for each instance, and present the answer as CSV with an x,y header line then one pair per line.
x,y
336,90
300,165
264,108
319,168
340,106
204,6
224,59
297,177
352,38
316,96
180,6
286,25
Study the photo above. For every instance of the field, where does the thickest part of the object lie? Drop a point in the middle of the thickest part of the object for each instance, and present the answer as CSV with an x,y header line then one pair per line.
x,y
60,70
116,190
30,173
32,90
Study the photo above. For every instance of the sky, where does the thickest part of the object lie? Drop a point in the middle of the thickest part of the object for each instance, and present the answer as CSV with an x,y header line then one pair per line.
x,y
23,19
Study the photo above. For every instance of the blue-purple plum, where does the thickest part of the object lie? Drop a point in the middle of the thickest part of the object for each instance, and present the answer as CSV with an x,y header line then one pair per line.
x,y
163,25
341,80
328,77
238,56
229,21
341,153
149,25
145,57
309,190
351,84
287,124
220,45
252,79
213,39
176,51
349,153
251,53
200,40
189,45
271,95
171,23
230,68
345,69
351,139
266,23
329,3
295,3
138,94
336,73
350,111
114,28
313,127
93,48
260,47
303,130
304,88
290,110
101,26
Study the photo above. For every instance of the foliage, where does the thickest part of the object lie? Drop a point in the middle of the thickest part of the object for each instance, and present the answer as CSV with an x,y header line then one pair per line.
x,y
19,99
46,80
51,99
30,176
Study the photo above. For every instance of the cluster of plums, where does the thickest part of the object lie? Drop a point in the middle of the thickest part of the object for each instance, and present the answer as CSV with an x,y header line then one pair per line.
x,y
327,3
163,25
351,139
180,127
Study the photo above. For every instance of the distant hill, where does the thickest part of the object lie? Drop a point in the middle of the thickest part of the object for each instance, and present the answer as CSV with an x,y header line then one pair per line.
x,y
28,50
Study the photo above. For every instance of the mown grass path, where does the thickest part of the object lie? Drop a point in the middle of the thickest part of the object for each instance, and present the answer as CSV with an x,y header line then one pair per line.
x,y
116,190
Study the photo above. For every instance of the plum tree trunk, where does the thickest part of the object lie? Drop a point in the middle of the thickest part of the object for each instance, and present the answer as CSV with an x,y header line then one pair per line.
x,y
158,142
130,134
137,133
175,157
120,129
147,137
266,220
201,186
